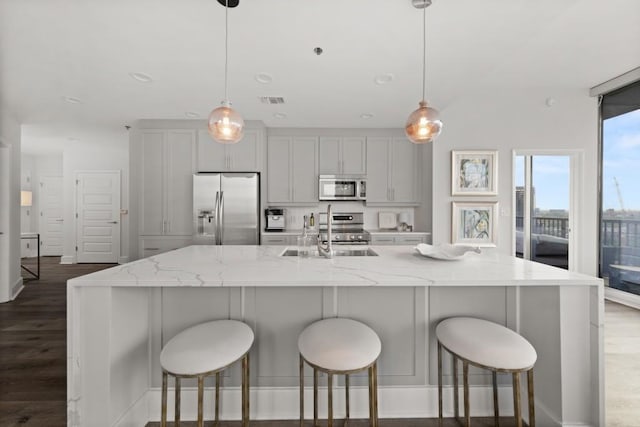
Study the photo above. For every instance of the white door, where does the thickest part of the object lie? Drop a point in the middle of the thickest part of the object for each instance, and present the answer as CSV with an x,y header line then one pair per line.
x,y
50,221
5,206
98,216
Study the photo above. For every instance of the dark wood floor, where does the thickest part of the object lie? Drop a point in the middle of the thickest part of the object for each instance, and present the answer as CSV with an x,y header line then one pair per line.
x,y
33,358
33,348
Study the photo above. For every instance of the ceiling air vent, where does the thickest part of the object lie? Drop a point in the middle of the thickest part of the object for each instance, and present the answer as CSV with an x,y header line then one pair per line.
x,y
272,100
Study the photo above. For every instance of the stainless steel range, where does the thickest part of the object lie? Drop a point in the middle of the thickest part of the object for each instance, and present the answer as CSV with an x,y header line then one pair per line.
x,y
347,228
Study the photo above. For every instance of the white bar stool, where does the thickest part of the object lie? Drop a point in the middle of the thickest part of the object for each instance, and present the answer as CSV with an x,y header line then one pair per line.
x,y
203,350
489,346
339,346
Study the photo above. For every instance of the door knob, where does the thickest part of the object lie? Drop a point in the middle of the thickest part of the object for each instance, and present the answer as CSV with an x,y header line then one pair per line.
x,y
112,222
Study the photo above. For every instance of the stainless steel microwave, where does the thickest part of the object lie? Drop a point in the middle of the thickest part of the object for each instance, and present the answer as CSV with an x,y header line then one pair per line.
x,y
342,187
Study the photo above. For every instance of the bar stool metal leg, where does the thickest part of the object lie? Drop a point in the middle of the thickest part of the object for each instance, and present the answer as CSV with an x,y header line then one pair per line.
x,y
200,400
516,399
375,394
346,395
465,380
496,411
330,398
301,391
177,402
315,397
217,399
532,409
439,384
163,415
456,405
371,398
245,390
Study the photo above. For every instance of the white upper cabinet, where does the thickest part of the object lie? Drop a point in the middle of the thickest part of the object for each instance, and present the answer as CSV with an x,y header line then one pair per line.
x,y
165,193
292,170
393,174
243,156
343,155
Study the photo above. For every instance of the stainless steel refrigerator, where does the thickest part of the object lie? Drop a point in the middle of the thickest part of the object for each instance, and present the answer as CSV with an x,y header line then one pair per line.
x,y
226,208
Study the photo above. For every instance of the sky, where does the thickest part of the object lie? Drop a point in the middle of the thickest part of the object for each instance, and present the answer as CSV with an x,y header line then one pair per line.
x,y
621,159
621,156
550,180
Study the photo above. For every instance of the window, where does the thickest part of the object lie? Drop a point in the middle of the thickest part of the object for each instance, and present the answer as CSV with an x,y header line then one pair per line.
x,y
620,198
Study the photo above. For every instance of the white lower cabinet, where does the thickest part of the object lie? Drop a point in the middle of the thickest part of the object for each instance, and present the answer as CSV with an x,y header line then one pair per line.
x,y
150,246
399,238
279,239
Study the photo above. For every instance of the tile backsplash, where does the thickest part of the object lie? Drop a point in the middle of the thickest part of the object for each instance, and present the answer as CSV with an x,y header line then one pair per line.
x,y
294,215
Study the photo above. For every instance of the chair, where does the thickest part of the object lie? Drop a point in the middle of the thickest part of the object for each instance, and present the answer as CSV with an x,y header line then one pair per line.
x,y
489,346
203,350
339,346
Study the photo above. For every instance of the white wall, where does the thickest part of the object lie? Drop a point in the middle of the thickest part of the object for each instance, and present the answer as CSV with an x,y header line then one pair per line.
x,y
520,119
10,280
108,151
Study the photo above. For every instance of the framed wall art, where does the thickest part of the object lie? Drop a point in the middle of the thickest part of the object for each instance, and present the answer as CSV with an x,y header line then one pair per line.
x,y
474,173
474,223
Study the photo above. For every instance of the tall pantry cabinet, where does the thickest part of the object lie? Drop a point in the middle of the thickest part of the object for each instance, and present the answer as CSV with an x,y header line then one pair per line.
x,y
165,162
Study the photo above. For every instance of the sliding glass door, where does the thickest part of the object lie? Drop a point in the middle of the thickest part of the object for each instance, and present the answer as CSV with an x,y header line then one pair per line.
x,y
542,194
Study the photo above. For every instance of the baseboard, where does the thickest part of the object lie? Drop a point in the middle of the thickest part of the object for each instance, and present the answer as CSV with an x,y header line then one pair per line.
x,y
17,288
123,260
68,259
622,297
281,403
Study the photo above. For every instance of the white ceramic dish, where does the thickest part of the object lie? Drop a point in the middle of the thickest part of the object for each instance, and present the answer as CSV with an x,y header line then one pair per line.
x,y
445,251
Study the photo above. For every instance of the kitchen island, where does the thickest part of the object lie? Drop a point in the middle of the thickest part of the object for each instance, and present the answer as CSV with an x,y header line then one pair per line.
x,y
118,320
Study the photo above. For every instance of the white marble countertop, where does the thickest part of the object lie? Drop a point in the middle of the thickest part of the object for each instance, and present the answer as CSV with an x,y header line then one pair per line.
x,y
263,266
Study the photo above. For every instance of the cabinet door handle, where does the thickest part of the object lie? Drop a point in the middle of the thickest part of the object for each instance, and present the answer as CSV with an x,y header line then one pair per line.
x,y
164,226
151,249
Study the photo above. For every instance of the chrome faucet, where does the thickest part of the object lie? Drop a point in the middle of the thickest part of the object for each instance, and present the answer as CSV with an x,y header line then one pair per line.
x,y
326,251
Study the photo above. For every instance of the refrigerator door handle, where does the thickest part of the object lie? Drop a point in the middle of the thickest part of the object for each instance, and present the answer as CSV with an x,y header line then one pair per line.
x,y
221,215
216,229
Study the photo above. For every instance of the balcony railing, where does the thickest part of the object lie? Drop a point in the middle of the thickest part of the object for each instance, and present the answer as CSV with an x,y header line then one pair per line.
x,y
615,232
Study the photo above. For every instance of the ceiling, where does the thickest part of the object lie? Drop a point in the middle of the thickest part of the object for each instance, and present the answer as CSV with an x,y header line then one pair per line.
x,y
86,50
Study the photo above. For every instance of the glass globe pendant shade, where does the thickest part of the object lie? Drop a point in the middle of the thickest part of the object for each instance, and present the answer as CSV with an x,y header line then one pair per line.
x,y
226,125
423,125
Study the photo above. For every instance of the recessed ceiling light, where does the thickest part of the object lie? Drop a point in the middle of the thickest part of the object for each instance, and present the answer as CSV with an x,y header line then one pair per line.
x,y
280,115
383,79
366,116
264,78
141,77
72,100
191,114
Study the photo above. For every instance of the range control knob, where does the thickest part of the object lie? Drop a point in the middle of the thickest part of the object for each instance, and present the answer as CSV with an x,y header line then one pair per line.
x,y
359,237
337,237
352,237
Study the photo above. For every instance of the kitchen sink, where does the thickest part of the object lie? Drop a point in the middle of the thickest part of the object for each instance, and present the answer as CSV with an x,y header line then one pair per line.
x,y
336,252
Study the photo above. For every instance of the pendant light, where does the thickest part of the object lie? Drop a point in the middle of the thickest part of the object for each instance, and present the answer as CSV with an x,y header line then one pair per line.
x,y
225,124
423,125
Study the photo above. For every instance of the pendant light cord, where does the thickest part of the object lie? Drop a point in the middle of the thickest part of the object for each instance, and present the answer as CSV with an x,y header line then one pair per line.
x,y
226,49
424,50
